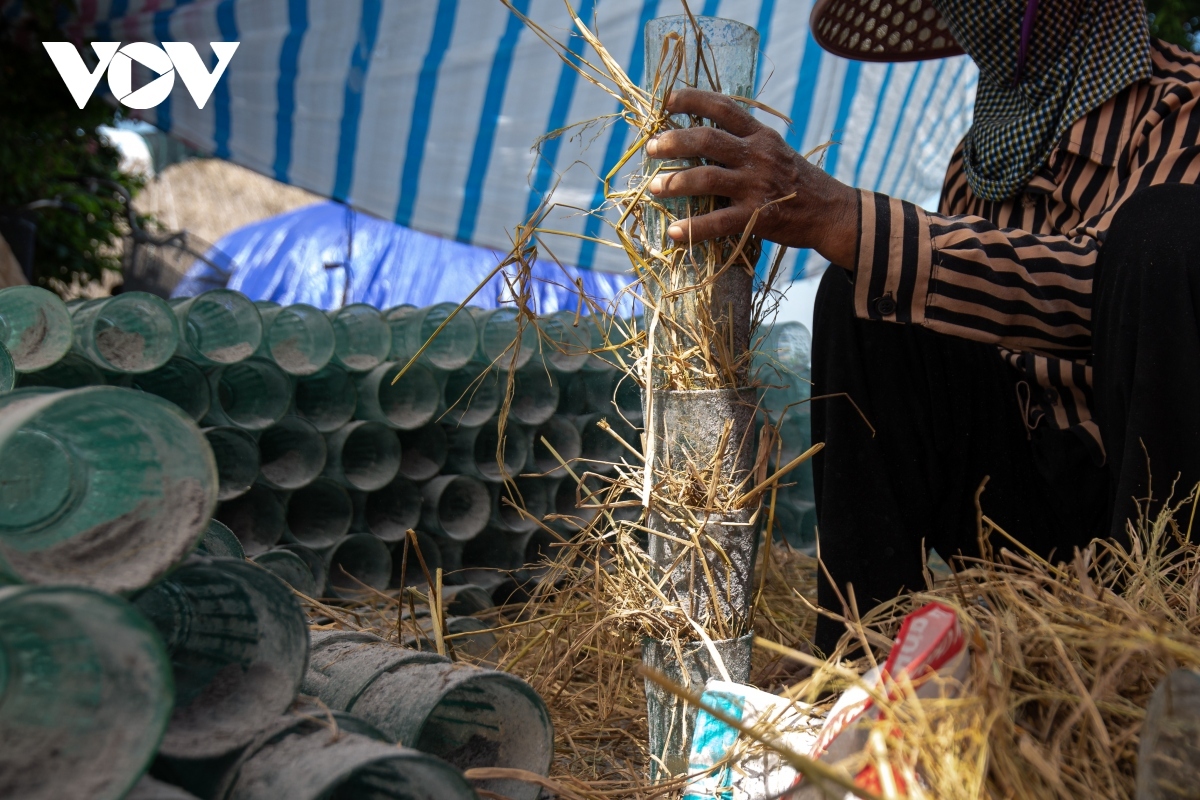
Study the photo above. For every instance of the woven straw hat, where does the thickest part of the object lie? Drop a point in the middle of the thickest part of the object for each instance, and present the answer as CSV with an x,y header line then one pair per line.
x,y
878,30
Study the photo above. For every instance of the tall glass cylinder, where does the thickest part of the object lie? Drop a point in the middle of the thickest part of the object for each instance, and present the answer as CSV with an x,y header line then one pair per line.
x,y
218,327
72,371
471,395
258,518
236,454
178,381
8,373
133,332
363,455
482,453
298,338
252,395
535,395
566,343
456,507
292,453
422,452
85,694
238,643
327,398
701,301
413,327
35,327
356,563
562,441
319,514
390,512
362,339
102,487
404,404
499,329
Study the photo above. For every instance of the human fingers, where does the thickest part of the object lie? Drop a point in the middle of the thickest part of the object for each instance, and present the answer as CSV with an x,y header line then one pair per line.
x,y
701,142
720,109
729,221
695,181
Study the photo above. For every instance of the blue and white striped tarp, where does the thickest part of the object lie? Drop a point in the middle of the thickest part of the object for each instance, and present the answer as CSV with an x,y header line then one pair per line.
x,y
424,111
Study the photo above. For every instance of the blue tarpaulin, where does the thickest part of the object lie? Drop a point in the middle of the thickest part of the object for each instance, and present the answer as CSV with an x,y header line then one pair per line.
x,y
302,256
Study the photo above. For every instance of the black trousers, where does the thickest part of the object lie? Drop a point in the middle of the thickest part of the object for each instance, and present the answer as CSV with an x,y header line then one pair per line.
x,y
946,414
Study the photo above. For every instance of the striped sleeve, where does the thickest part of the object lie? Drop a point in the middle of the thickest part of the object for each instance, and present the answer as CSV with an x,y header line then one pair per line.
x,y
964,276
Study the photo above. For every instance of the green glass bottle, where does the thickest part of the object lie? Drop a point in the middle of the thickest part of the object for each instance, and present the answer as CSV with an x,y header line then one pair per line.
x,y
404,404
220,542
298,338
103,487
132,333
258,518
362,339
252,395
422,452
238,644
455,507
390,512
565,343
35,327
85,694
289,568
535,395
218,327
179,381
413,327
327,399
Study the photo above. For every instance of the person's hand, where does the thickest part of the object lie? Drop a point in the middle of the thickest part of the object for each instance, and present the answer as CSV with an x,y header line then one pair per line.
x,y
752,166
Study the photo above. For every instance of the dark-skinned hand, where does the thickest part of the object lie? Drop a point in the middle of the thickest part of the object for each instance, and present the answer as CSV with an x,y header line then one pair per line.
x,y
752,165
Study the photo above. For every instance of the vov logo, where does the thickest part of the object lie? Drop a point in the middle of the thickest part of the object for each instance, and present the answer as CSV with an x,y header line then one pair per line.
x,y
179,57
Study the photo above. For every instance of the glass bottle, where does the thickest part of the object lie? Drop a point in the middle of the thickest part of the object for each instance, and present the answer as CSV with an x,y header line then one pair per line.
x,y
456,507
131,333
413,327
258,518
535,395
218,327
103,487
35,327
422,452
357,560
471,395
72,371
565,344
298,338
362,339
85,694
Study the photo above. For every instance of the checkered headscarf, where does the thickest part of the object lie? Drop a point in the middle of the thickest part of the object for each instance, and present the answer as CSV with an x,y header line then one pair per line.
x,y
1082,52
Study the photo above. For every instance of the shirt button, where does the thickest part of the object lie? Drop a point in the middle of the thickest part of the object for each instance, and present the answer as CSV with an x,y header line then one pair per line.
x,y
1051,395
885,306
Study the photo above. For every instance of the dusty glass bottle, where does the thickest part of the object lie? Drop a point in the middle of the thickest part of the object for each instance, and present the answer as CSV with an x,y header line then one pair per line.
x,y
103,487
363,455
404,404
35,327
85,694
298,338
566,343
131,333
291,453
236,454
327,398
218,327
362,339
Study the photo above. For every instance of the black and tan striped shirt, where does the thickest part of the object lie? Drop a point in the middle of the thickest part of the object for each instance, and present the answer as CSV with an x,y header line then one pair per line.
x,y
1018,273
